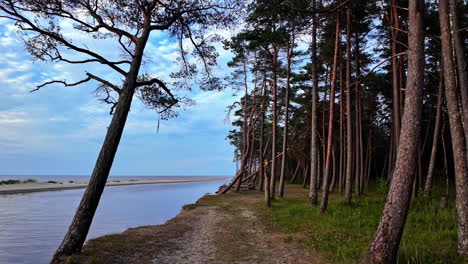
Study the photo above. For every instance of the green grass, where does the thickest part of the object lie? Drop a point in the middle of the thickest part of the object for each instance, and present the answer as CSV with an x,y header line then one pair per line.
x,y
10,181
30,181
344,231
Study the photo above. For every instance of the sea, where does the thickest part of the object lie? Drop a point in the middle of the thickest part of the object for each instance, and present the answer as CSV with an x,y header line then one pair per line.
x,y
32,225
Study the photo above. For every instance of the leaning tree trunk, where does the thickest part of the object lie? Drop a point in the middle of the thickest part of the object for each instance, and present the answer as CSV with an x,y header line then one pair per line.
x,y
456,130
79,227
313,146
325,191
286,119
384,246
349,131
430,172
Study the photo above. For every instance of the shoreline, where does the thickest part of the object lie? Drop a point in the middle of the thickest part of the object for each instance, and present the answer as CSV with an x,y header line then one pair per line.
x,y
216,229
46,187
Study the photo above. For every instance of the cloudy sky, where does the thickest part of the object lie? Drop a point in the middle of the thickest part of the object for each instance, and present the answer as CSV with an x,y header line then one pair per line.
x,y
59,130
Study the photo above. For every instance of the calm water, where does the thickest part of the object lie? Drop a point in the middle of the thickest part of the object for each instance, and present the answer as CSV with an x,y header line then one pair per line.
x,y
33,225
80,178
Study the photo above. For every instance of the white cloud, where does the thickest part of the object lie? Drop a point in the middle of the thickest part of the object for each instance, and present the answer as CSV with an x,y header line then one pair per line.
x,y
63,120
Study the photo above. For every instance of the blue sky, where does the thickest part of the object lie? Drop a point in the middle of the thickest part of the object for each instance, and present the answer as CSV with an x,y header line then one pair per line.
x,y
59,130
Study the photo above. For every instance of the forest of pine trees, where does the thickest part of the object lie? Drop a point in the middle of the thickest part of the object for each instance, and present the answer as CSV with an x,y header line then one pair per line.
x,y
335,95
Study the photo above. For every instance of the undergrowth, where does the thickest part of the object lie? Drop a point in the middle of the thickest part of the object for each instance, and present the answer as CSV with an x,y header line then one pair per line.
x,y
344,231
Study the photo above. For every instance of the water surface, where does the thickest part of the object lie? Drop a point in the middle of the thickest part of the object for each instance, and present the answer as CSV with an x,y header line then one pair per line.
x,y
32,225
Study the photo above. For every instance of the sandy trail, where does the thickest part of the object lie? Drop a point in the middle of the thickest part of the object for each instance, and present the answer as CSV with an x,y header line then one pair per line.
x,y
211,231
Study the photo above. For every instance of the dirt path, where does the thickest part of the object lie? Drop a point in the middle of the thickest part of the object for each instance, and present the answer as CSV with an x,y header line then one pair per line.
x,y
218,229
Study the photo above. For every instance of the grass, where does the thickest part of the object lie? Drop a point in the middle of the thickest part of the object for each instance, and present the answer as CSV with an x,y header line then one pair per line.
x,y
344,231
10,181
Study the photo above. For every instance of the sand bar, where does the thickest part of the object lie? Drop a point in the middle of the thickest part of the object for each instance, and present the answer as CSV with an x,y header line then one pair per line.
x,y
45,186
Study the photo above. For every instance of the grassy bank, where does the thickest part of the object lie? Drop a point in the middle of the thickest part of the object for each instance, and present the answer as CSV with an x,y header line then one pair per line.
x,y
344,232
238,228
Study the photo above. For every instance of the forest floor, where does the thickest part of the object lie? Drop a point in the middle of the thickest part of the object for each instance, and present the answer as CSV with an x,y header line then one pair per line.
x,y
237,228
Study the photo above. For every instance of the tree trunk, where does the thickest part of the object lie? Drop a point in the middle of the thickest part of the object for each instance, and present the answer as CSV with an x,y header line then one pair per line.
x,y
456,131
369,157
361,149
244,126
333,181
357,149
349,132
390,158
304,182
324,202
342,140
274,124
79,227
461,65
295,173
286,118
430,172
267,186
395,71
384,246
262,136
313,146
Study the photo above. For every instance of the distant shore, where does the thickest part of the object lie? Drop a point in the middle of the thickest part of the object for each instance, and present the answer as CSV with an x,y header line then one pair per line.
x,y
58,186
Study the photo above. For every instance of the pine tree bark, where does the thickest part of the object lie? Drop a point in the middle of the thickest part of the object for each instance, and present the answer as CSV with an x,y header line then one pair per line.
x,y
262,136
274,124
325,191
267,186
395,71
357,128
462,66
313,146
342,139
384,246
430,172
349,131
79,227
286,119
456,130
333,179
244,126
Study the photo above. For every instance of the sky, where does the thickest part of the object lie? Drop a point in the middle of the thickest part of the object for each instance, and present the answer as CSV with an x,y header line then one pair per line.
x,y
59,130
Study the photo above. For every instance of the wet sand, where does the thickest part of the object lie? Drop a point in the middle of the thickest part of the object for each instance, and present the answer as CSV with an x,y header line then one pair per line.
x,y
46,186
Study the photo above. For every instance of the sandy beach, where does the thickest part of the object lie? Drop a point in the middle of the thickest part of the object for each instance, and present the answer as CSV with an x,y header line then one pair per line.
x,y
46,186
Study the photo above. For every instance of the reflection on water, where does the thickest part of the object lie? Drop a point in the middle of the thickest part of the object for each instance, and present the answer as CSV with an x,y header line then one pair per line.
x,y
33,225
